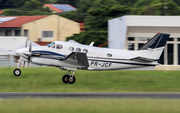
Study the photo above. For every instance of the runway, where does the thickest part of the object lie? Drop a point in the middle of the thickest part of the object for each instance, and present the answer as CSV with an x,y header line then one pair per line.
x,y
90,95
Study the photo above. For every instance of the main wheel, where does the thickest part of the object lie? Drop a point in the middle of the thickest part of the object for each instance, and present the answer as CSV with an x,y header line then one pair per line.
x,y
17,72
65,79
71,80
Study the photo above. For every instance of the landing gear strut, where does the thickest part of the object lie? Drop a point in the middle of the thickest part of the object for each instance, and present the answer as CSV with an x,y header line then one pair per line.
x,y
69,78
17,71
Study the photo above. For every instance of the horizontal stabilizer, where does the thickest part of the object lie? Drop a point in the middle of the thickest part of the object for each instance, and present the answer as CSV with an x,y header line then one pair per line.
x,y
142,59
77,58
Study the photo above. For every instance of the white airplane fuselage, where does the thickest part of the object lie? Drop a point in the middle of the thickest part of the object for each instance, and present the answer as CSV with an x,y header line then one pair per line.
x,y
98,58
72,56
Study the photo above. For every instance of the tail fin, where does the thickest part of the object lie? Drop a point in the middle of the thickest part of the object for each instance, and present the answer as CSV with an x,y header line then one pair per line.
x,y
159,40
154,47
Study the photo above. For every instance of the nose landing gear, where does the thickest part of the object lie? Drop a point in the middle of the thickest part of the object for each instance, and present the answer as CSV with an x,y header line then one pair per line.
x,y
17,71
69,78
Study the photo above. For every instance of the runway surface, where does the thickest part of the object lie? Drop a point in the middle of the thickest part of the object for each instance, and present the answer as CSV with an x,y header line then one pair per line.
x,y
90,95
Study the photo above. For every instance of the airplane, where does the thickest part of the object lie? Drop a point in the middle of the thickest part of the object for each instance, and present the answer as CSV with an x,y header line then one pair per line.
x,y
72,56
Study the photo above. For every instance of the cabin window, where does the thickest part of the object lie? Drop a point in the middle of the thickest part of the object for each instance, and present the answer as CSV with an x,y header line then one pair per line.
x,y
59,46
109,55
71,48
78,49
85,51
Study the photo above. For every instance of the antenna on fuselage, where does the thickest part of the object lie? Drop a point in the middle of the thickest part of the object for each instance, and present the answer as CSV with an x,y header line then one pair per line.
x,y
91,44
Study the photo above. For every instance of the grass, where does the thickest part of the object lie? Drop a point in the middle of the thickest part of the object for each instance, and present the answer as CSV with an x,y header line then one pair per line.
x,y
37,105
49,80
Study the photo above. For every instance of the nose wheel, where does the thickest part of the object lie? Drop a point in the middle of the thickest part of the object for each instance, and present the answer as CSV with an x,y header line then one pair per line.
x,y
69,78
17,72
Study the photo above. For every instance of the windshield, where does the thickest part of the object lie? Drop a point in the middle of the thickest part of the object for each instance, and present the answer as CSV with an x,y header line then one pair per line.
x,y
51,44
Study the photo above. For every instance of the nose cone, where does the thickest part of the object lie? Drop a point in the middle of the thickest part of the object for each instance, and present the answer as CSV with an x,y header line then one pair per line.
x,y
19,52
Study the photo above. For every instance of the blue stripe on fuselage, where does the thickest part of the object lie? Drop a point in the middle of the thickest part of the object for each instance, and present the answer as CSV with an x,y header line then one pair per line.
x,y
48,53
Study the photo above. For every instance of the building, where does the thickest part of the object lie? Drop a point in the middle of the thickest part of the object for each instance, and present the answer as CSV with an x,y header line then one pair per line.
x,y
1,11
131,32
46,28
58,8
81,23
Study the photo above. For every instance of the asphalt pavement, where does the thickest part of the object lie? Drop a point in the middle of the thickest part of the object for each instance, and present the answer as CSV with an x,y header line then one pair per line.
x,y
90,95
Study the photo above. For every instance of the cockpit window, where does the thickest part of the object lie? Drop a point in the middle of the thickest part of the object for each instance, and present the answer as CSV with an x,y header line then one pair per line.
x,y
59,46
51,44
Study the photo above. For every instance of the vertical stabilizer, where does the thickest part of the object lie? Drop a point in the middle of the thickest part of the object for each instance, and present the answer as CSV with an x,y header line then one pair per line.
x,y
154,47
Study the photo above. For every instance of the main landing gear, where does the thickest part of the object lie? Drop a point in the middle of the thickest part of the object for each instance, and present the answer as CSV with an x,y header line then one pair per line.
x,y
69,78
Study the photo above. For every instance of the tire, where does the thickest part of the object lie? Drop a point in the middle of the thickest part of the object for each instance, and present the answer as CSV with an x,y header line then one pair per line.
x,y
65,79
17,72
71,80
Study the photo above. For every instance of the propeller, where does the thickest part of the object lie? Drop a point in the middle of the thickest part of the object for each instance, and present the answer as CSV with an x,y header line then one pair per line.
x,y
29,53
24,61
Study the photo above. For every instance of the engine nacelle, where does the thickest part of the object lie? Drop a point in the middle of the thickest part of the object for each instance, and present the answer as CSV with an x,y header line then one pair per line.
x,y
36,60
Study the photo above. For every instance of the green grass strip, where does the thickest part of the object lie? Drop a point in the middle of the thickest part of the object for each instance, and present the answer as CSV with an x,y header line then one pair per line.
x,y
50,80
91,105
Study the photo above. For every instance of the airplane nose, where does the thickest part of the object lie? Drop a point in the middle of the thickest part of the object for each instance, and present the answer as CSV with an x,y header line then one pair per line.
x,y
18,52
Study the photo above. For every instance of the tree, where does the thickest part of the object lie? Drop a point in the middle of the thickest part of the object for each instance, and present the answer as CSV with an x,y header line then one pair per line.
x,y
11,3
155,7
177,2
127,2
99,37
31,5
10,12
102,14
96,23
73,15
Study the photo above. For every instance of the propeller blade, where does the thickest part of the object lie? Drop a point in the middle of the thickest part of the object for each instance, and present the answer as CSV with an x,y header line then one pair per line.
x,y
24,64
30,51
26,43
29,60
28,64
30,47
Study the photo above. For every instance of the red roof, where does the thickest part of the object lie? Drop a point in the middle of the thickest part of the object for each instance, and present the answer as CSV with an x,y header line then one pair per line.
x,y
1,11
20,20
81,23
43,43
58,8
53,8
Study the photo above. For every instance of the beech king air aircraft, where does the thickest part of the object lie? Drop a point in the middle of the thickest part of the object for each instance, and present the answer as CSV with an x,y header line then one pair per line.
x,y
72,56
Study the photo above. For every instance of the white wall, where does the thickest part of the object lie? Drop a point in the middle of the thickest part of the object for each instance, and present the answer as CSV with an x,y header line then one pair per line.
x,y
11,42
117,33
140,26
